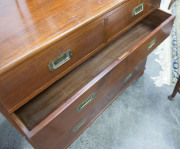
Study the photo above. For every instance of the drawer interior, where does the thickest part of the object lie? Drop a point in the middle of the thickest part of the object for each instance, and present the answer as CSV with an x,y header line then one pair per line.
x,y
36,110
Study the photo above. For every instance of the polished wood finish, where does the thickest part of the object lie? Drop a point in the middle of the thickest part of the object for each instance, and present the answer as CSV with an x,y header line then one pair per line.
x,y
42,105
38,24
45,103
176,89
37,74
64,125
36,42
122,18
49,111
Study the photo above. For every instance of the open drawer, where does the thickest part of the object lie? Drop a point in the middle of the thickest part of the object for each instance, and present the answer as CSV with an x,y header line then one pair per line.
x,y
55,117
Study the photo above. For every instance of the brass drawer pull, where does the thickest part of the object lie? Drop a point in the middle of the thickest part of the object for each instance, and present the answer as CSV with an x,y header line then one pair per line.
x,y
151,44
128,77
138,9
60,60
79,125
86,102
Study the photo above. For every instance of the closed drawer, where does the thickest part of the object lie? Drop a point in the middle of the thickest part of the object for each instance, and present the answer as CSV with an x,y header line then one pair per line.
x,y
130,13
23,84
54,118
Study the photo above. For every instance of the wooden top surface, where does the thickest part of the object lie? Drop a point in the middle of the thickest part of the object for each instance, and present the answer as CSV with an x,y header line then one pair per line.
x,y
29,26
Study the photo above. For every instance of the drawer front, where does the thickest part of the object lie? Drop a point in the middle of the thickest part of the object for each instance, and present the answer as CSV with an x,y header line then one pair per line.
x,y
128,14
24,83
73,120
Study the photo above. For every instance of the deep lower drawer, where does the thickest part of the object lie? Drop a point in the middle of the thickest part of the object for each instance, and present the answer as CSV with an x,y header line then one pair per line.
x,y
72,122
54,117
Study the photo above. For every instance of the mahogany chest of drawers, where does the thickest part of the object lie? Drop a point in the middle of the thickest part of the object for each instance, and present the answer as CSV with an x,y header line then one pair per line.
x,y
62,63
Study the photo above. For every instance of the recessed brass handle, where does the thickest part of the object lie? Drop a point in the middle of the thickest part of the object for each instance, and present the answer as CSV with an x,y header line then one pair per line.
x,y
76,128
128,77
60,60
138,9
86,102
152,44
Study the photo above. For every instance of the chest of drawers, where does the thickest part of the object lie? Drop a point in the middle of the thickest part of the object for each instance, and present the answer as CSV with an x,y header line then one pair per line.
x,y
64,62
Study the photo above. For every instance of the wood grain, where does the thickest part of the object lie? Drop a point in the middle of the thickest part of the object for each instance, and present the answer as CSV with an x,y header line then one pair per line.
x,y
41,106
38,24
33,75
65,126
46,117
136,54
41,27
37,74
